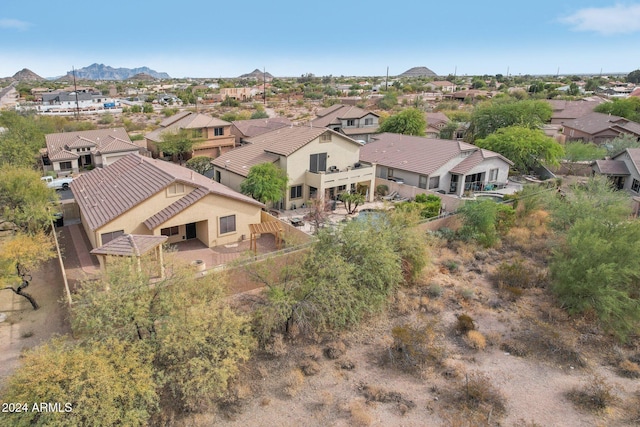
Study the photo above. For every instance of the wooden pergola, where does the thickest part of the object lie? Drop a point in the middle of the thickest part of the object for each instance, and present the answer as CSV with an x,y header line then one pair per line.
x,y
132,245
271,227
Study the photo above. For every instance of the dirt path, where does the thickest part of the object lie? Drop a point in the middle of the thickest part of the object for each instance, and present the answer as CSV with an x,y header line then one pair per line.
x,y
25,328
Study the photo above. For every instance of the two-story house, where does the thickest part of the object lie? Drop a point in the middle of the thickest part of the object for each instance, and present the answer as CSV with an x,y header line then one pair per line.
x,y
244,129
349,120
68,152
599,127
319,162
442,165
214,134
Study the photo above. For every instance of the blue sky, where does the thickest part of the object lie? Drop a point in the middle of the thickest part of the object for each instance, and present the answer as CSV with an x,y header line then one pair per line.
x,y
193,38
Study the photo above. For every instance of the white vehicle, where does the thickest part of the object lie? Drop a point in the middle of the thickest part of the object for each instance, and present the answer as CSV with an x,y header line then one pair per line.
x,y
57,183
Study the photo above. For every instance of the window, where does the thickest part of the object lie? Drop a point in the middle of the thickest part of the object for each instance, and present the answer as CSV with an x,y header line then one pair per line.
x,y
389,173
218,176
107,237
65,166
318,162
422,181
218,131
227,224
170,231
434,182
635,185
295,192
368,122
325,137
493,175
351,122
175,189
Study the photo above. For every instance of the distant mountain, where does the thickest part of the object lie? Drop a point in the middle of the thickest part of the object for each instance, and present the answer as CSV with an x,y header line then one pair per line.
x,y
418,72
105,72
142,77
258,75
27,75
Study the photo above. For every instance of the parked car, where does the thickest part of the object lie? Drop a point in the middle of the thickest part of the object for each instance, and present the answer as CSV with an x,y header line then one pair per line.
x,y
57,183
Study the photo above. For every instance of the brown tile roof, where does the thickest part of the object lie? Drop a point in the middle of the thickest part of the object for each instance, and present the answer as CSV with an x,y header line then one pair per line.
x,y
569,110
185,120
334,115
612,167
175,208
593,123
421,155
106,193
267,148
255,127
130,245
59,145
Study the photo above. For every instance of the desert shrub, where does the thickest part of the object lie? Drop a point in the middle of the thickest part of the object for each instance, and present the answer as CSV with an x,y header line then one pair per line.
x,y
544,340
629,369
434,290
476,393
518,274
378,394
293,382
309,367
595,396
415,346
359,415
476,340
275,346
467,294
106,119
335,350
382,190
451,265
464,324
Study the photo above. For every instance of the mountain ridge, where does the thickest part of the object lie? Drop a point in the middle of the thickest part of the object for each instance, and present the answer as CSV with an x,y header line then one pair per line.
x,y
105,72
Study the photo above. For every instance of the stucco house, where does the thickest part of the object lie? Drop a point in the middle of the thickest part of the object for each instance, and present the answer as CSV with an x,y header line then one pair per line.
x,y
244,129
142,196
447,166
435,123
68,152
350,120
82,100
319,162
215,133
623,170
442,85
599,127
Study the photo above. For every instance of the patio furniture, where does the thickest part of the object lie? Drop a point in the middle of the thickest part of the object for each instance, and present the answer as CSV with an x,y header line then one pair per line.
x,y
297,222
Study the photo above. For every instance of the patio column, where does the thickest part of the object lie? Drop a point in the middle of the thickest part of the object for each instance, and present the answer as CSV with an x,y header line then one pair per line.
x,y
462,184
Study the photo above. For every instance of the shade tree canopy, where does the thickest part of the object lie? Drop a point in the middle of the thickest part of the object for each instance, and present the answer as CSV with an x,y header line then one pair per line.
x,y
265,182
410,121
489,116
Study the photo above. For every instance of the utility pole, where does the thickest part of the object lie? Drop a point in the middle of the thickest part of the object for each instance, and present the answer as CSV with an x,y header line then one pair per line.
x,y
264,85
75,90
386,82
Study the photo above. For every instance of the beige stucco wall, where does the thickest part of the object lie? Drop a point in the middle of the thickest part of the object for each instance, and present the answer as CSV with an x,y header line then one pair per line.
x,y
208,209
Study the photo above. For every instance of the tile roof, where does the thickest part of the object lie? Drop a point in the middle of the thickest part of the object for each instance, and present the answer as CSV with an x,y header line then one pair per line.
x,y
612,167
267,148
255,127
338,112
421,155
106,193
593,123
185,120
59,145
569,110
130,245
175,208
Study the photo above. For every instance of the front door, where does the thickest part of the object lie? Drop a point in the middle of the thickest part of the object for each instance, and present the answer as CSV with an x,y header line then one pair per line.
x,y
453,188
191,230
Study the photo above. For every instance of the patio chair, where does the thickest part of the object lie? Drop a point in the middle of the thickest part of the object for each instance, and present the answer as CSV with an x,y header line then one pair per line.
x,y
390,196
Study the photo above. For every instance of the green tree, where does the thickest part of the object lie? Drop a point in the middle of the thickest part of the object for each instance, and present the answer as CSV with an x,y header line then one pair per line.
x,y
178,143
21,140
194,341
230,102
147,107
629,108
24,199
265,182
388,101
407,122
449,130
351,201
200,164
578,151
621,143
485,220
489,116
261,114
634,77
105,384
523,146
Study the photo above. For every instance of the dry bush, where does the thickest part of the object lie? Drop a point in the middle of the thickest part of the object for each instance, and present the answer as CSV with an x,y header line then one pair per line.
x,y
310,367
415,347
233,402
312,352
595,396
359,414
476,340
477,398
544,340
464,324
293,382
629,369
377,394
335,349
518,274
276,346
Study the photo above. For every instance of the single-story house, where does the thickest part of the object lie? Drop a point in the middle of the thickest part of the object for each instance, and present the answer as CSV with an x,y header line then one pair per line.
x,y
143,196
68,152
599,127
623,170
564,111
441,165
319,162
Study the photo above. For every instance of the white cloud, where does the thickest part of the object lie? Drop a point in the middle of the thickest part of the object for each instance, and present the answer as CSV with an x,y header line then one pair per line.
x,y
618,19
14,24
